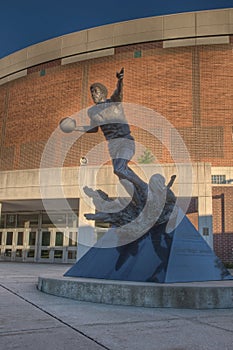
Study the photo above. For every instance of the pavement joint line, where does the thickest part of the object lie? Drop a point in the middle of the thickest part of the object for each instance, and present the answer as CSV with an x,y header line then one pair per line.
x,y
210,325
55,317
128,322
198,322
25,331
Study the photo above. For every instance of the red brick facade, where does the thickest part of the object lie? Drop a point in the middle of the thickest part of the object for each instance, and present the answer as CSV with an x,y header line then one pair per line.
x,y
223,222
191,87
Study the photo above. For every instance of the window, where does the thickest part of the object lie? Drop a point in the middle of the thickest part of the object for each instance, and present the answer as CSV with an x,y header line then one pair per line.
x,y
31,253
54,219
46,220
8,253
44,254
32,238
59,239
45,238
72,254
58,254
9,238
20,238
19,253
205,231
11,220
2,221
218,179
26,220
72,220
72,239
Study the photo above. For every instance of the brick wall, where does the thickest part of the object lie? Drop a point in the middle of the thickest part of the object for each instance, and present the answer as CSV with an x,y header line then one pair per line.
x,y
223,222
223,247
191,87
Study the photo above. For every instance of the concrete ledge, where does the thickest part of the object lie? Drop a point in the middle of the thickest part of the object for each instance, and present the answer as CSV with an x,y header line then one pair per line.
x,y
195,295
88,56
210,40
14,76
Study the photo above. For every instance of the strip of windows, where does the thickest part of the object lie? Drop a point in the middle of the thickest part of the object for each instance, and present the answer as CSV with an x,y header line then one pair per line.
x,y
218,179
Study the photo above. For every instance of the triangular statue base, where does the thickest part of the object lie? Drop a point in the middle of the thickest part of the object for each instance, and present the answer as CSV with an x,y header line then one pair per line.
x,y
180,256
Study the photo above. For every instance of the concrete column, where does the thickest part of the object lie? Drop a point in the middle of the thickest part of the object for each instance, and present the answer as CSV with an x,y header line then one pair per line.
x,y
87,176
205,212
86,229
205,219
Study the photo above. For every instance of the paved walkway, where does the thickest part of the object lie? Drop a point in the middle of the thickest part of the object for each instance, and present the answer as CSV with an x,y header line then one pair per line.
x,y
30,319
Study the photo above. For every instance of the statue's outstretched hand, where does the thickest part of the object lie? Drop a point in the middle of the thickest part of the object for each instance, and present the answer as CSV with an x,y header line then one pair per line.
x,y
120,75
89,191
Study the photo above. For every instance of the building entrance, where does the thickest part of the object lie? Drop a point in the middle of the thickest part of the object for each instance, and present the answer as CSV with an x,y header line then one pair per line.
x,y
39,236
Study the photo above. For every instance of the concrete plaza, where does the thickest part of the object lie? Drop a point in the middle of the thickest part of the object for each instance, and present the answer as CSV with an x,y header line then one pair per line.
x,y
30,319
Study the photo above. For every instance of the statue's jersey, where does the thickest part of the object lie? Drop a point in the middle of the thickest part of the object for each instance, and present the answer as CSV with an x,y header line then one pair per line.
x,y
110,118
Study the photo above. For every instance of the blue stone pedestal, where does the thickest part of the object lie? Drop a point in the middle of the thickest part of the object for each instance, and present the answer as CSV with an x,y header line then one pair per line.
x,y
179,256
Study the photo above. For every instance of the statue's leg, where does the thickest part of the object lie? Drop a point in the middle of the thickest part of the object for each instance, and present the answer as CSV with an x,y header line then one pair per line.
x,y
121,169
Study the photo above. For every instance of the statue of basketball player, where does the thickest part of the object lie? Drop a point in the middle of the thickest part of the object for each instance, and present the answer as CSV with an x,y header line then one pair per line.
x,y
108,115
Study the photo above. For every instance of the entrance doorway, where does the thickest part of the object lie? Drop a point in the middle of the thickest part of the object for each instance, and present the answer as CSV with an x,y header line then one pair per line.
x,y
39,236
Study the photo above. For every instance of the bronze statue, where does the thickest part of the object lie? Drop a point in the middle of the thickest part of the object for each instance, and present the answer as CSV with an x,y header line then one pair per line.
x,y
152,207
150,203
108,115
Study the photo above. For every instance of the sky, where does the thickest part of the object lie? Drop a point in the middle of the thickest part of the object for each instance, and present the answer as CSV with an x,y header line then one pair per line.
x,y
27,22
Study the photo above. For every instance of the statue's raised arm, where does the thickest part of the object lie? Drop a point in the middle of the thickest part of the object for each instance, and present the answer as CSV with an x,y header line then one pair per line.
x,y
117,96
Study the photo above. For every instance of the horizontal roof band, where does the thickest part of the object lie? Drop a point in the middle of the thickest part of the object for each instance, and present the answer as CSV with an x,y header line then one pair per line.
x,y
167,28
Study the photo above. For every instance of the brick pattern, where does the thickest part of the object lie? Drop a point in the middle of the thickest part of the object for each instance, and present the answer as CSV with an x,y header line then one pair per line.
x,y
222,209
217,94
204,142
3,101
223,247
223,222
164,80
191,87
7,157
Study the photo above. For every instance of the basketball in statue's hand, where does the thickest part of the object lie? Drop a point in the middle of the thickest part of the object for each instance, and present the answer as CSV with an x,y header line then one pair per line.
x,y
67,124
